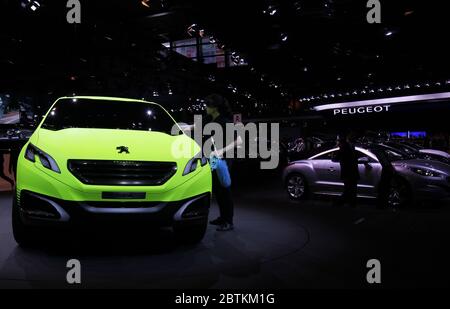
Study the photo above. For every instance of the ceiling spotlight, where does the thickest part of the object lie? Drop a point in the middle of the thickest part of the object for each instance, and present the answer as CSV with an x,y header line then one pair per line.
x,y
271,10
212,40
388,33
30,5
34,6
146,3
284,37
192,29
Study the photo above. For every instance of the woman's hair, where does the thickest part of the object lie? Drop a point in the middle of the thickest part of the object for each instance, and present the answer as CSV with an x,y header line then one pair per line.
x,y
219,102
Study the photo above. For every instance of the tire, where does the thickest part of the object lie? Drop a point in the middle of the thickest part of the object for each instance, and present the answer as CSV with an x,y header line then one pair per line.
x,y
296,186
190,235
399,195
23,235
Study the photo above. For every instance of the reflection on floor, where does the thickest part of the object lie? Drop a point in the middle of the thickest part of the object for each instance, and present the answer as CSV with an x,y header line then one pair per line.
x,y
277,243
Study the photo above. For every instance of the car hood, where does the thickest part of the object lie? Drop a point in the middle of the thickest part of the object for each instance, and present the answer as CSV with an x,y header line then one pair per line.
x,y
101,144
433,165
435,152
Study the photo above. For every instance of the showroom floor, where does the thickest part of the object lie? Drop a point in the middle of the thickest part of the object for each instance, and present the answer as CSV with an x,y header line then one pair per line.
x,y
276,243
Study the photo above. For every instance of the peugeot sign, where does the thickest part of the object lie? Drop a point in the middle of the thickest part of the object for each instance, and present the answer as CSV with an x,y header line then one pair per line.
x,y
361,110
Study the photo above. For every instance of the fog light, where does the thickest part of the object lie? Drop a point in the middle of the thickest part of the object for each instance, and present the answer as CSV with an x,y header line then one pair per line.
x,y
34,206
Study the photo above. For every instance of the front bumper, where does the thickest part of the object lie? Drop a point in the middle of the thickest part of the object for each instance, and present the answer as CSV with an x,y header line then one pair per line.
x,y
77,203
431,189
45,211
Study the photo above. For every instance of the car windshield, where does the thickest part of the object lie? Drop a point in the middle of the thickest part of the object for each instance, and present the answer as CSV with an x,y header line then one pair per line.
x,y
107,114
404,148
412,145
389,153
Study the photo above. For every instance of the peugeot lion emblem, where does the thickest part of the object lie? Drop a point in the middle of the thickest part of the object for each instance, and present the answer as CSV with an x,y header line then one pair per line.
x,y
122,149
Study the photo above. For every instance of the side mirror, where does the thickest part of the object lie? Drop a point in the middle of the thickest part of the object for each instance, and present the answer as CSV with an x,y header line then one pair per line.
x,y
363,160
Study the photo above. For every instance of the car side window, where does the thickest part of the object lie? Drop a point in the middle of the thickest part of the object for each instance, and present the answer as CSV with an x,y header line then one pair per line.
x,y
360,155
327,156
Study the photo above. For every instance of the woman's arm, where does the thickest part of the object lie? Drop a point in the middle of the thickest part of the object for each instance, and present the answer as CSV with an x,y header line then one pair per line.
x,y
232,145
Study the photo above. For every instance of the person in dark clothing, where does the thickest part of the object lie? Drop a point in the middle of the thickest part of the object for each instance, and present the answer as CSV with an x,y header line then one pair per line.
x,y
348,160
2,170
387,174
15,151
218,111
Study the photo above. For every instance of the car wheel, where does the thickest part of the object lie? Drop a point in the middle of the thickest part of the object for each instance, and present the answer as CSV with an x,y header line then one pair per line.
x,y
296,186
190,234
22,234
399,194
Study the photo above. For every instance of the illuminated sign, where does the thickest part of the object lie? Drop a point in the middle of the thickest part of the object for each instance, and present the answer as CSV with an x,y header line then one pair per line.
x,y
361,110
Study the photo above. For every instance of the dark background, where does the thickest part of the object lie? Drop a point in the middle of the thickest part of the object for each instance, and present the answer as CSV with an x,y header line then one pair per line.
x,y
330,50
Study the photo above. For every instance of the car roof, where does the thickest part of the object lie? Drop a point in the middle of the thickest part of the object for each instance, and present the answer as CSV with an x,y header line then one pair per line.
x,y
363,149
117,99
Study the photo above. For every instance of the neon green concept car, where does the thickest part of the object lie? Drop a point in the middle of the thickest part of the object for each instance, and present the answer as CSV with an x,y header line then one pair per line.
x,y
101,159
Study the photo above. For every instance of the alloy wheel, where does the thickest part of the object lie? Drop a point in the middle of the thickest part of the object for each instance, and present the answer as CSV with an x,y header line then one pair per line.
x,y
296,186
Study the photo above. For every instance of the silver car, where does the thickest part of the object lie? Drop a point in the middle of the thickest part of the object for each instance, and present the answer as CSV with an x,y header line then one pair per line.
x,y
415,179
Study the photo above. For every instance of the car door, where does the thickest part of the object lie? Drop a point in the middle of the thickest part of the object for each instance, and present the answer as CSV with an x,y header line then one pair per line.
x,y
327,173
369,173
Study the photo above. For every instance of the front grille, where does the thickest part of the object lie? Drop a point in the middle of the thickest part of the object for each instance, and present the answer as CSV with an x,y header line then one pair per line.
x,y
122,173
122,204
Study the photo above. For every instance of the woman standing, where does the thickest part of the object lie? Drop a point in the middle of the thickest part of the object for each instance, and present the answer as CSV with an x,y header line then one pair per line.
x,y
219,112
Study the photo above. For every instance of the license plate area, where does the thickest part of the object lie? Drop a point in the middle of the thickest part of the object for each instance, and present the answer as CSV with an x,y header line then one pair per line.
x,y
124,195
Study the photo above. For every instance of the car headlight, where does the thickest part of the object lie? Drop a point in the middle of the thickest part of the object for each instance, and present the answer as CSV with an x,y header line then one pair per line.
x,y
46,160
425,172
193,164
